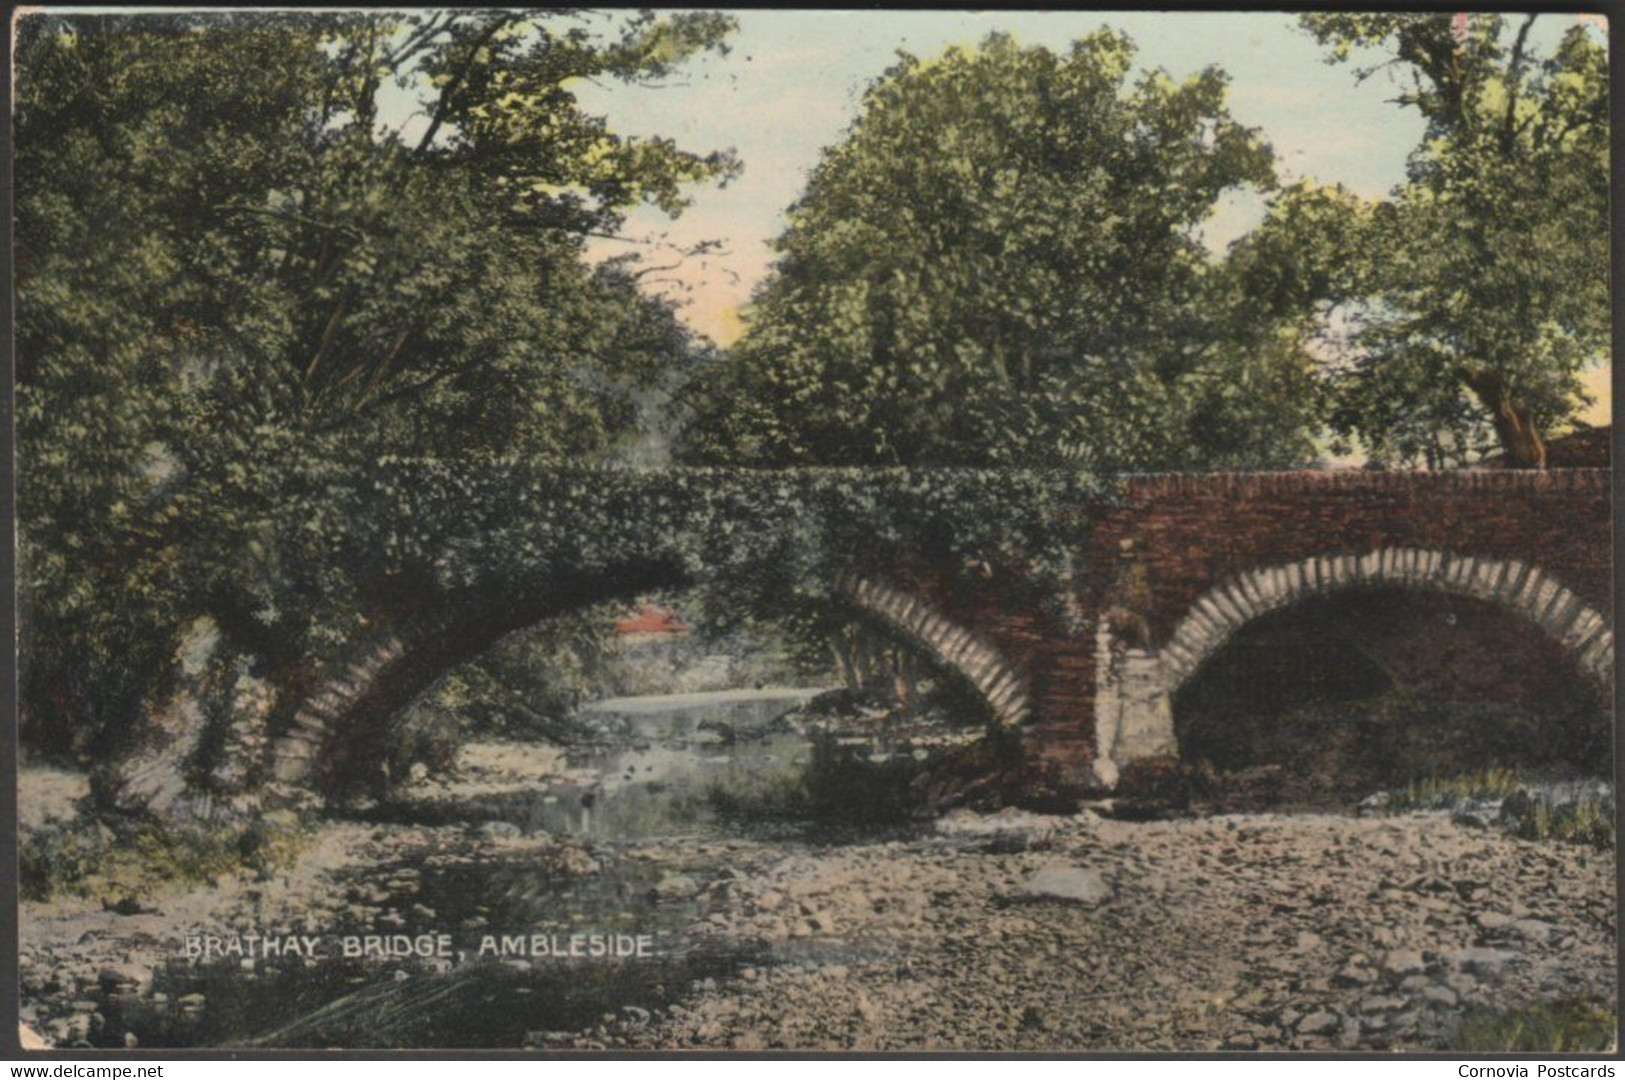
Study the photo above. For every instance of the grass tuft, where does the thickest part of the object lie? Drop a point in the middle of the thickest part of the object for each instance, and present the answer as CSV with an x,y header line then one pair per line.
x,y
1566,1027
1528,809
1447,793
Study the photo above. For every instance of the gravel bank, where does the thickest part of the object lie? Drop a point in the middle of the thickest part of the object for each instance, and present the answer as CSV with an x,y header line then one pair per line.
x,y
1244,932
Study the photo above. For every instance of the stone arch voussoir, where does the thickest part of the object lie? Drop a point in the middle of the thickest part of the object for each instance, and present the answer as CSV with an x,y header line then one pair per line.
x,y
298,753
383,671
1519,587
1000,683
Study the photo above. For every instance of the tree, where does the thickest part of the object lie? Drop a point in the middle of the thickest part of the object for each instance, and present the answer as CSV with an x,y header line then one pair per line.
x,y
244,282
1001,265
1484,289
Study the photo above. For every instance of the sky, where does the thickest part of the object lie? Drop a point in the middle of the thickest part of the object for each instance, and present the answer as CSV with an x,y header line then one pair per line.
x,y
793,81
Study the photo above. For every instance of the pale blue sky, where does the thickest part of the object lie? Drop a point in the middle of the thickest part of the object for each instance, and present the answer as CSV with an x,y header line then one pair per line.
x,y
794,79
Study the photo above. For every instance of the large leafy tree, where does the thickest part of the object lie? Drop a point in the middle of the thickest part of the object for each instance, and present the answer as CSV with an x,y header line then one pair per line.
x,y
247,274
1001,263
1483,290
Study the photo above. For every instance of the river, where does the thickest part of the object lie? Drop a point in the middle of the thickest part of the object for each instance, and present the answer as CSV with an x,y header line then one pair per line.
x,y
618,845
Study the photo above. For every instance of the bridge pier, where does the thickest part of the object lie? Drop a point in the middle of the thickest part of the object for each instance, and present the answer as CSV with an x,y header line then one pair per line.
x,y
1134,714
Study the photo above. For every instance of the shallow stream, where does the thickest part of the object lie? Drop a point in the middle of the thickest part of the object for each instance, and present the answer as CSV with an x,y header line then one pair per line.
x,y
680,796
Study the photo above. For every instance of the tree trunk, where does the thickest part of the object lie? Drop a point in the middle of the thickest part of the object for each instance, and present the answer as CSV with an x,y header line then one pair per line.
x,y
1515,428
907,681
843,656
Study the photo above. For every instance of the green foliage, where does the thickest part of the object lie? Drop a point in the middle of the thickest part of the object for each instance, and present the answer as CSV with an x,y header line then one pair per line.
x,y
1528,810
1445,793
1578,1026
238,291
779,537
1588,819
1001,265
531,686
1481,289
426,735
84,858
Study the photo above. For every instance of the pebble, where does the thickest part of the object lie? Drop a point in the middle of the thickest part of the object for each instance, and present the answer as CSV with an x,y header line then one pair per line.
x,y
1481,961
1318,1023
1403,962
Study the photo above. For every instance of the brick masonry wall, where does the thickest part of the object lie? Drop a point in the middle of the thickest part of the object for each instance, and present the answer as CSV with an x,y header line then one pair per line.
x,y
1187,533
1192,532
1058,662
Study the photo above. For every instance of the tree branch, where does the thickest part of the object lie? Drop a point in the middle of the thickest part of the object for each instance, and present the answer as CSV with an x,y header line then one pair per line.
x,y
398,395
284,215
419,39
1509,130
328,334
443,106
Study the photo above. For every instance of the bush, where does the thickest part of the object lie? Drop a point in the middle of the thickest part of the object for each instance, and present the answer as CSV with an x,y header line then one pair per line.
x,y
1586,819
426,734
1567,813
1567,1027
122,868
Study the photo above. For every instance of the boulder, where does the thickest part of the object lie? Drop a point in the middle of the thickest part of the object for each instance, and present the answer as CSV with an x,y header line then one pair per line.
x,y
1480,961
1319,1023
1402,962
675,887
125,978
501,830
1068,884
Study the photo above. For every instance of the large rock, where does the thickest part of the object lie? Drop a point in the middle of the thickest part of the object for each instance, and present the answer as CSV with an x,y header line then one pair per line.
x,y
1402,962
675,886
1319,1023
1068,884
501,830
125,978
1485,963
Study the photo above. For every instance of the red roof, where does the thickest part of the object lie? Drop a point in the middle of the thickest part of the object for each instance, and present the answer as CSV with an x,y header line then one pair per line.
x,y
652,620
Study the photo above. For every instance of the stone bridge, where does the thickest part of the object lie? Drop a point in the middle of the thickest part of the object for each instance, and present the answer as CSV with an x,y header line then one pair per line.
x,y
1181,562
1171,569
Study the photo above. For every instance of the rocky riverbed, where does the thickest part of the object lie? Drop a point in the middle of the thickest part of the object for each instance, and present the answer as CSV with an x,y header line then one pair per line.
x,y
1008,931
1244,932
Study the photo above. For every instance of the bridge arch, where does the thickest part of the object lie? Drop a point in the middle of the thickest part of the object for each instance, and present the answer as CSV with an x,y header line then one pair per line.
x,y
1521,588
950,645
385,671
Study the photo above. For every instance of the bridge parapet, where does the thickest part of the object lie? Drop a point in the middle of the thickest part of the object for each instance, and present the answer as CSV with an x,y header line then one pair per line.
x,y
1304,481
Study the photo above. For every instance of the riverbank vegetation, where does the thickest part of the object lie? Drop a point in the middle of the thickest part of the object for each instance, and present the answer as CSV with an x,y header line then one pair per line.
x,y
1573,812
1574,1026
131,868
